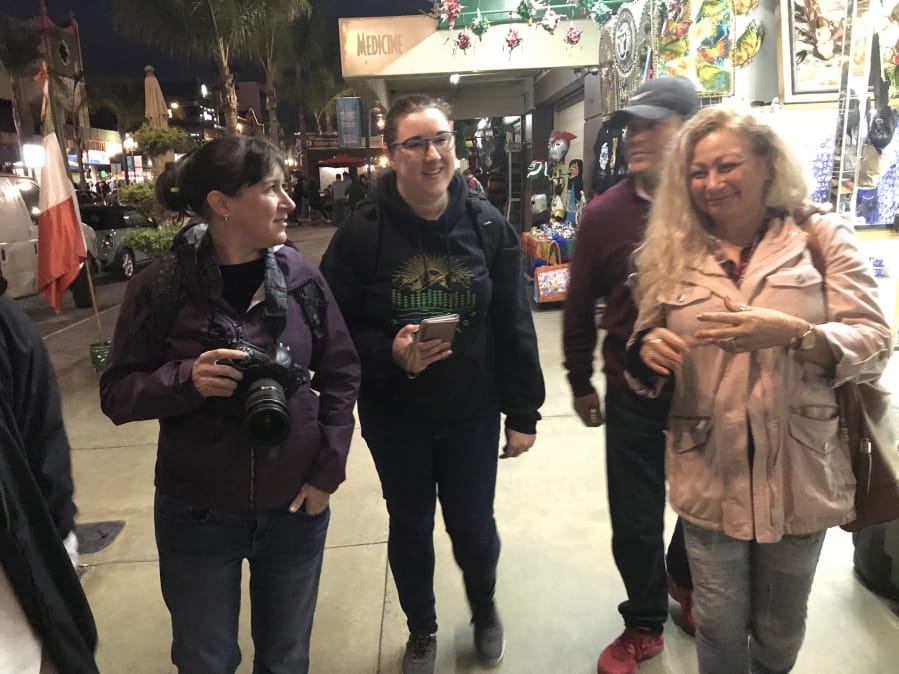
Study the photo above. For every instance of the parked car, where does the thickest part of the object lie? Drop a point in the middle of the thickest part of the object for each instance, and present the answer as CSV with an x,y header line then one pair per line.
x,y
19,210
112,223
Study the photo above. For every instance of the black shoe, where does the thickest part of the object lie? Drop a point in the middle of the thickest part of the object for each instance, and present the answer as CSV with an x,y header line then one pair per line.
x,y
488,636
421,654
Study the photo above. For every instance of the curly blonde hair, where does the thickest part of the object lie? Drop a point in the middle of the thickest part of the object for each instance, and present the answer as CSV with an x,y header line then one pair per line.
x,y
677,235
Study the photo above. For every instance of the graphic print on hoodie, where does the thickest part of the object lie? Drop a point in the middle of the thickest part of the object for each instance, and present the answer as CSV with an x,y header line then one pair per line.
x,y
432,285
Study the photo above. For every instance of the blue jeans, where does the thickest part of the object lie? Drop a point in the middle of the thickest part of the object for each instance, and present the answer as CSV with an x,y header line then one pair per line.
x,y
635,473
417,461
201,551
750,599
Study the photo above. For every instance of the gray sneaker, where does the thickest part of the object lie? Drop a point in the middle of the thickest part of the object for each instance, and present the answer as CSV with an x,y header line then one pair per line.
x,y
421,654
488,636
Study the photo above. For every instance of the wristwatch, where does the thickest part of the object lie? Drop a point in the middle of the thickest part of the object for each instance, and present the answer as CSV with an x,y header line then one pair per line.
x,y
806,341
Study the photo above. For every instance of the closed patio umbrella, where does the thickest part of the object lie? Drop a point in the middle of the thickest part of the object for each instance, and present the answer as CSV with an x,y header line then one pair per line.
x,y
154,104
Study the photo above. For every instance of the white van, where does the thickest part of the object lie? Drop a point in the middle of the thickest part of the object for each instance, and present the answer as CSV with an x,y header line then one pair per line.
x,y
19,212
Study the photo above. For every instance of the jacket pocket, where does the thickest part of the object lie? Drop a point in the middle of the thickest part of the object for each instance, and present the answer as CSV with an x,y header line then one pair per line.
x,y
684,296
688,433
818,482
797,277
819,435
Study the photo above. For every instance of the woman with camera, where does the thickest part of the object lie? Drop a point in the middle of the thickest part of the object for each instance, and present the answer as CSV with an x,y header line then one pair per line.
x,y
430,408
216,340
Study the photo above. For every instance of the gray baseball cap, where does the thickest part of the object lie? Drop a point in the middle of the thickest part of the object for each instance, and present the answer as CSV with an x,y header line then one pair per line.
x,y
658,98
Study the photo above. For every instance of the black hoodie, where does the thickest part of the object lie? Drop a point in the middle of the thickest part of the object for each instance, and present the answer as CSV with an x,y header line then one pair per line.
x,y
389,268
36,508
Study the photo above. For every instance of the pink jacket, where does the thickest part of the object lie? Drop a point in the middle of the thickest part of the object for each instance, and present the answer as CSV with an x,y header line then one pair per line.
x,y
801,479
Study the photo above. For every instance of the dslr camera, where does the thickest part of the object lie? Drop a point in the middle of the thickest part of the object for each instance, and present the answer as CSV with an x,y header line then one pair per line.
x,y
270,377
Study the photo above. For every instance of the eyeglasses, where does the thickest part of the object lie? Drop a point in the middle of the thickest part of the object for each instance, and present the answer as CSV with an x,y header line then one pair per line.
x,y
418,146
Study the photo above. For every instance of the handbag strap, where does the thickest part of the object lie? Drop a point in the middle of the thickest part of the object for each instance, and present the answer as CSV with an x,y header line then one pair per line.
x,y
807,217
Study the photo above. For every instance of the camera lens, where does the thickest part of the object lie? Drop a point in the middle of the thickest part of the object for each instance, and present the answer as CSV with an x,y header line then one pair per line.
x,y
266,416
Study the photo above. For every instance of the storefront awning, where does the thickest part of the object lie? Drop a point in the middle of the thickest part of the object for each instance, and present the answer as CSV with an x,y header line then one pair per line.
x,y
389,56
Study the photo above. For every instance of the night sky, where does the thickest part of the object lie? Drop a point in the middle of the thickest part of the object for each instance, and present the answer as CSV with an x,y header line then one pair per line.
x,y
106,53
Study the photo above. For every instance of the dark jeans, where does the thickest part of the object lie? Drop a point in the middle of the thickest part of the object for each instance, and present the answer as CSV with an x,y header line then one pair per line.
x,y
635,467
340,210
418,461
200,556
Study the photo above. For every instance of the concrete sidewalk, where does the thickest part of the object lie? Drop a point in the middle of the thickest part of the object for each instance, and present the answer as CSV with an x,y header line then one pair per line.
x,y
558,586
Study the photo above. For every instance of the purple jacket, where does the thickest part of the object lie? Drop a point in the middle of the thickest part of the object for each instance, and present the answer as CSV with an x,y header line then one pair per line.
x,y
203,456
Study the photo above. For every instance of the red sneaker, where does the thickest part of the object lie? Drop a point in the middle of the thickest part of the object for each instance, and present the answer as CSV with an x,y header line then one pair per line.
x,y
625,654
684,597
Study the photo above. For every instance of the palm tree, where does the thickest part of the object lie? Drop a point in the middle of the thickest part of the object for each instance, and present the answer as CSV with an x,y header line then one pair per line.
x,y
198,29
322,97
20,55
269,44
72,98
314,66
123,97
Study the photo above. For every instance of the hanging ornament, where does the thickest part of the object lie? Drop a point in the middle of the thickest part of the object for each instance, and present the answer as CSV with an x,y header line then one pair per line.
x,y
527,10
447,11
463,41
572,36
513,40
599,12
479,25
550,21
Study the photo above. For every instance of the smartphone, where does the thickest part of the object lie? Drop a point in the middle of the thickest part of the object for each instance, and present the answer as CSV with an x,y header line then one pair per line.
x,y
438,327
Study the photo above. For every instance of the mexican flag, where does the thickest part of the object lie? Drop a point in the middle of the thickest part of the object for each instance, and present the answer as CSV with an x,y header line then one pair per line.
x,y
60,241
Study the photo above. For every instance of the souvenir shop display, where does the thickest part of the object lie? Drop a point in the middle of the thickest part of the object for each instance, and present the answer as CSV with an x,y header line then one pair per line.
x,y
575,192
546,251
559,143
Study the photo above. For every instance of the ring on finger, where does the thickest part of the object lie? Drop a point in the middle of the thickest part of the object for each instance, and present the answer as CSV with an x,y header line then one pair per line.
x,y
654,340
744,307
733,343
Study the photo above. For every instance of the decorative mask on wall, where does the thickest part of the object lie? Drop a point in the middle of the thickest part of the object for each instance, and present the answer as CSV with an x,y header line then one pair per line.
x,y
539,204
576,177
558,145
536,170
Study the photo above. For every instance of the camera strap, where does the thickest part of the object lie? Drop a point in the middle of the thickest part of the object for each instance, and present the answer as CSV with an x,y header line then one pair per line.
x,y
275,314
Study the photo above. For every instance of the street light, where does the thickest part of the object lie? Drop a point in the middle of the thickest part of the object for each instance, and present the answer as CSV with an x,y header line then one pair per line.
x,y
129,145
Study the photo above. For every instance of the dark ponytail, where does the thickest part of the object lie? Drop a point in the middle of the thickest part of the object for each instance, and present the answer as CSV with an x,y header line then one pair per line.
x,y
226,164
167,192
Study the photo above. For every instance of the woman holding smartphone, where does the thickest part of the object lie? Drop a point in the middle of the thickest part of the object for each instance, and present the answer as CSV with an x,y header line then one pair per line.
x,y
428,246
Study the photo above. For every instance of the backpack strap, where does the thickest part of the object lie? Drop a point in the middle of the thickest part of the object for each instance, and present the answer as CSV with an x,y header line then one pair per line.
x,y
368,241
486,225
167,295
313,303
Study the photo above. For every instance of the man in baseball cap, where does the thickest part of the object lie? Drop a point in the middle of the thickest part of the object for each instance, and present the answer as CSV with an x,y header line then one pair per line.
x,y
612,228
658,99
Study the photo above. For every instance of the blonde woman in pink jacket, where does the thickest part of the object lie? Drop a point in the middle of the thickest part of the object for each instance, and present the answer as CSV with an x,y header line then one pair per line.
x,y
754,336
